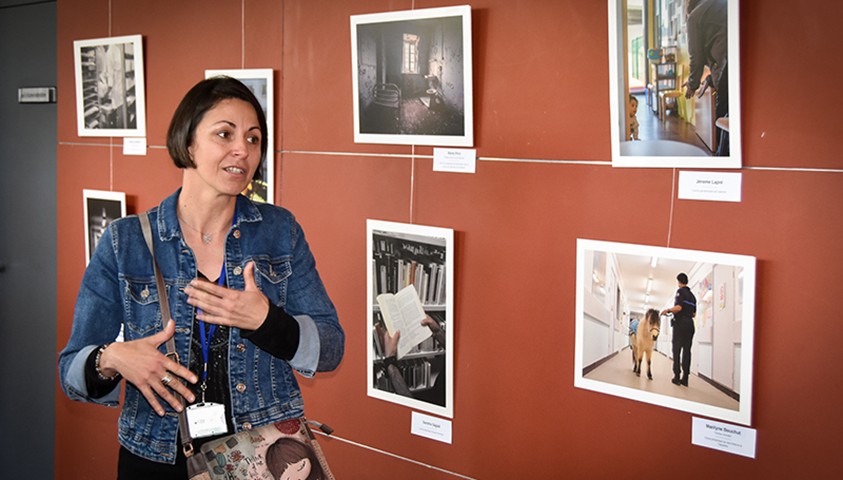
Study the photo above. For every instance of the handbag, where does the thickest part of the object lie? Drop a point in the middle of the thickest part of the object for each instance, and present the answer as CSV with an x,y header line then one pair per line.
x,y
262,453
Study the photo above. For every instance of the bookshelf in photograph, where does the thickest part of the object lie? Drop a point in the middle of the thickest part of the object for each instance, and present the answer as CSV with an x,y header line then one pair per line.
x,y
420,367
410,277
400,261
109,87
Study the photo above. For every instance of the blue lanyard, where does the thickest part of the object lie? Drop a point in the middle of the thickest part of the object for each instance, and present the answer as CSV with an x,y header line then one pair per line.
x,y
206,339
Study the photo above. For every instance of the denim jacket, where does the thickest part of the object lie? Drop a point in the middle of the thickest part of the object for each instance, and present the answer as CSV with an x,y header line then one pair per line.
x,y
118,290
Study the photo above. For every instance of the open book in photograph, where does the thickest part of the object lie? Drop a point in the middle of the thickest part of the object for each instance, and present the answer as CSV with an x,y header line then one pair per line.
x,y
403,312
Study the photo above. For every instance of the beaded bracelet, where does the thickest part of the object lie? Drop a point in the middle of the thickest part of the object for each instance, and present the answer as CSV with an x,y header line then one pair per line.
x,y
102,376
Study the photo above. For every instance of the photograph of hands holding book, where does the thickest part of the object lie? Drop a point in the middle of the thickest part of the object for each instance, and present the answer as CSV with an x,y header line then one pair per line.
x,y
410,347
410,359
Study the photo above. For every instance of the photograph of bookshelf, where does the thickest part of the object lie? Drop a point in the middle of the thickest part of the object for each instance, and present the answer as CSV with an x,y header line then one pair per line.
x,y
109,84
411,268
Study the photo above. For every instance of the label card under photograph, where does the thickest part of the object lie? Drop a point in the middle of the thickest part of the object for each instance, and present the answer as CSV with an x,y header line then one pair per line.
x,y
713,186
459,160
431,427
134,146
724,437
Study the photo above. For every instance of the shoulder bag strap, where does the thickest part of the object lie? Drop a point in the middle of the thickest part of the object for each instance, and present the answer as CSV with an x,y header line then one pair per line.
x,y
187,443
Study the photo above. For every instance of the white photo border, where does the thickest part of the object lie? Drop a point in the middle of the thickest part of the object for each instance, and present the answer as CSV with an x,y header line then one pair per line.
x,y
114,199
618,98
248,75
742,414
413,233
84,130
464,140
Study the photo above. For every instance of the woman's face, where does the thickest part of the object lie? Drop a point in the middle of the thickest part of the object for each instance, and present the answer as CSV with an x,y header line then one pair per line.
x,y
226,147
296,471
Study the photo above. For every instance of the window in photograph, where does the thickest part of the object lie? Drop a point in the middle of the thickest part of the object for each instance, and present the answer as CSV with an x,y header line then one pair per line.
x,y
411,53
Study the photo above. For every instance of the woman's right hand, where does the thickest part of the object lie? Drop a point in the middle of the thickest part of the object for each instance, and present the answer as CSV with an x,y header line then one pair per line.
x,y
141,363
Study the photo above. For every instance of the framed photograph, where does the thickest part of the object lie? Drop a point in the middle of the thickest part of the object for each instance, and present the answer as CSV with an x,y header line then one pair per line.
x,y
259,81
412,77
674,82
101,208
644,335
110,99
411,315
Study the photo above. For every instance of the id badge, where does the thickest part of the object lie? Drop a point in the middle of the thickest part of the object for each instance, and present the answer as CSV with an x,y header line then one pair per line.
x,y
206,419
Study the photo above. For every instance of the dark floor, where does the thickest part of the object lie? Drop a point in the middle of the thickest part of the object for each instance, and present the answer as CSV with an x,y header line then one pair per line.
x,y
671,128
414,118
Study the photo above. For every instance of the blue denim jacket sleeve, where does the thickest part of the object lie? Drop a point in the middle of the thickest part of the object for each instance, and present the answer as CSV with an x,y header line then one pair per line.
x,y
306,359
322,340
98,303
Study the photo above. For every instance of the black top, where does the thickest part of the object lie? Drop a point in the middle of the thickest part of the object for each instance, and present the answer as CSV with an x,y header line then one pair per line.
x,y
687,301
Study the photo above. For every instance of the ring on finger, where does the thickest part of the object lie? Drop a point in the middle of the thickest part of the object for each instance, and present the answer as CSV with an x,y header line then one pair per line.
x,y
166,379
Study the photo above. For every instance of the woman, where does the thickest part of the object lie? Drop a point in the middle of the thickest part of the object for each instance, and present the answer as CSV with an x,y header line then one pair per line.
x,y
247,303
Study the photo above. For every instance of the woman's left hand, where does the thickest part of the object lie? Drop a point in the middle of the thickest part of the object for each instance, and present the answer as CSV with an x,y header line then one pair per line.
x,y
246,309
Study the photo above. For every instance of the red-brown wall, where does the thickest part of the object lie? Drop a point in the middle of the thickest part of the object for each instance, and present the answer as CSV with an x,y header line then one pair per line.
x,y
540,97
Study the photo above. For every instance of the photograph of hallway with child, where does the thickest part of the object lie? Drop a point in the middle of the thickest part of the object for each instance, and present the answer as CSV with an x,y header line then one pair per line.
x,y
670,83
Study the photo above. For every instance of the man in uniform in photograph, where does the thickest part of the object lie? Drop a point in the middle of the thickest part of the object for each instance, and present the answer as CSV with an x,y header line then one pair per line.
x,y
684,309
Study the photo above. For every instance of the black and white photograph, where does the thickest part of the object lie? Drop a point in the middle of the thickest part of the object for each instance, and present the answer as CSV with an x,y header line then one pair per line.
x,y
674,83
259,81
110,87
412,77
666,326
101,208
410,315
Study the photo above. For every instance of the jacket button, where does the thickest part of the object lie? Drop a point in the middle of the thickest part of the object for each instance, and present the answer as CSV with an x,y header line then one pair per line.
x,y
237,234
238,270
241,347
247,426
240,387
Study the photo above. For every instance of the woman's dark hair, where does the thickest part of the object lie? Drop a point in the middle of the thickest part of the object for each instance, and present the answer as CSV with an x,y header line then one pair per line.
x,y
204,96
287,451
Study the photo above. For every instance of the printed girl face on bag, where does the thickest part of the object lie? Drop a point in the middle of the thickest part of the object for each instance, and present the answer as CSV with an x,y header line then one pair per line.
x,y
290,459
297,471
226,147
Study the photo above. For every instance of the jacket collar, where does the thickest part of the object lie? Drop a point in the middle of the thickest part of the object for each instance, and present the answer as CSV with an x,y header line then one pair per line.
x,y
168,220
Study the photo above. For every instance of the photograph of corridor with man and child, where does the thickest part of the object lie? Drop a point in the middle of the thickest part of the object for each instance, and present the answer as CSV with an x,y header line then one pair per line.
x,y
673,77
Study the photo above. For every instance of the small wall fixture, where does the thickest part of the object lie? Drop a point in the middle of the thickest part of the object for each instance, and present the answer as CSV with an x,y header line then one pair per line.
x,y
37,95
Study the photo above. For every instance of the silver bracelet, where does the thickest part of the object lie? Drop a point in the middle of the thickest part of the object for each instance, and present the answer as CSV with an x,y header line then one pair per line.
x,y
101,376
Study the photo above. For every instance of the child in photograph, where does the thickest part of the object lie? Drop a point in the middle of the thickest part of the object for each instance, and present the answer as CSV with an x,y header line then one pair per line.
x,y
633,120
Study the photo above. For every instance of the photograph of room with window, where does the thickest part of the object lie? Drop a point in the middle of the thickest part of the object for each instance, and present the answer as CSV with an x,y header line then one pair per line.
x,y
413,78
